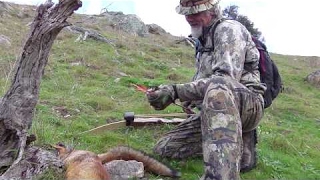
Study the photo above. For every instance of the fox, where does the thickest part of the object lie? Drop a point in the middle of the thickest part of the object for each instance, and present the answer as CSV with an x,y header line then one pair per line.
x,y
82,164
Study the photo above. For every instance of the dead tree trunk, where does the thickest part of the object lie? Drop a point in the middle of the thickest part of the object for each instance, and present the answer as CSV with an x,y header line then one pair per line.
x,y
18,104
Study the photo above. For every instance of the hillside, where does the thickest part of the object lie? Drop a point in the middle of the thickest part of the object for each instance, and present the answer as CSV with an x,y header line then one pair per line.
x,y
88,83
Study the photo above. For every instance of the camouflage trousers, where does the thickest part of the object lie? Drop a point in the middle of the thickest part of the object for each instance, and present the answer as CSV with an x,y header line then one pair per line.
x,y
228,110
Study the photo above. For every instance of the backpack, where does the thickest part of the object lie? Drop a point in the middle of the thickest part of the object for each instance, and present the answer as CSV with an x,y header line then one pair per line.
x,y
269,73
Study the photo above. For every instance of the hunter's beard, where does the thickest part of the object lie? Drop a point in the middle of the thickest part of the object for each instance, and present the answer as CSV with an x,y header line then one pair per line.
x,y
196,32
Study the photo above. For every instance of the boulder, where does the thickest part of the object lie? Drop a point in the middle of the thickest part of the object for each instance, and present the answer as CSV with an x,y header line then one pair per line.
x,y
155,29
130,23
123,170
314,78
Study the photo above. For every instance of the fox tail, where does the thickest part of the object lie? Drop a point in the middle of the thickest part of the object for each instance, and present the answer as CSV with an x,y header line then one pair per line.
x,y
151,164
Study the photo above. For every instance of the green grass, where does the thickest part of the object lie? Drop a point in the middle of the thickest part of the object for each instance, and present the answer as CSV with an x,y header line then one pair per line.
x,y
88,84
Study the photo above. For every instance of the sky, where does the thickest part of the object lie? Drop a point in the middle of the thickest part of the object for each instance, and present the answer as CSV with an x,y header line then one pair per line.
x,y
289,27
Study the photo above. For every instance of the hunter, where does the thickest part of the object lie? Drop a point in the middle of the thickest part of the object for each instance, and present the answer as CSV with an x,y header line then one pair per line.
x,y
226,89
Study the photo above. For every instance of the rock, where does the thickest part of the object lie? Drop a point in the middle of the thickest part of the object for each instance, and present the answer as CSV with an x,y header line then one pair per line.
x,y
117,80
130,23
314,78
122,74
123,170
4,40
23,14
155,29
89,33
4,7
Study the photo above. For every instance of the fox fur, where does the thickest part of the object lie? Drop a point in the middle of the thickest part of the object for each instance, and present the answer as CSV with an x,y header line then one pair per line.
x,y
82,164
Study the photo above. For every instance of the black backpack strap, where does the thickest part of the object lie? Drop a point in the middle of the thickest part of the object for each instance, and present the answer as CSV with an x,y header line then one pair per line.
x,y
212,30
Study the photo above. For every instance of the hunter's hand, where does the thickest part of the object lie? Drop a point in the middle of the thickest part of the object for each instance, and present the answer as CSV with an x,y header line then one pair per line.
x,y
161,97
187,107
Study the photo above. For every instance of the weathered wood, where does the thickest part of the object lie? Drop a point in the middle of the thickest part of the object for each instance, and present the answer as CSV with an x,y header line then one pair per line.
x,y
35,161
188,40
84,33
18,104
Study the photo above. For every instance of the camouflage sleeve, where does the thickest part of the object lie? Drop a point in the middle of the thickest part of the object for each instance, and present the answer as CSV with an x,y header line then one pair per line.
x,y
228,59
230,41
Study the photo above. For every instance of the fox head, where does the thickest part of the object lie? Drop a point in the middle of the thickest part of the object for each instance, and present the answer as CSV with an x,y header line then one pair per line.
x,y
62,150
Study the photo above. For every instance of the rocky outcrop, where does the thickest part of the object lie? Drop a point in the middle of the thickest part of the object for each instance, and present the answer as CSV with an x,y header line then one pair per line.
x,y
11,9
155,29
130,23
4,8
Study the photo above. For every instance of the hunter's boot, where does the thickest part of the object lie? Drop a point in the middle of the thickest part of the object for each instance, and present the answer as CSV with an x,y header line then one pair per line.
x,y
249,156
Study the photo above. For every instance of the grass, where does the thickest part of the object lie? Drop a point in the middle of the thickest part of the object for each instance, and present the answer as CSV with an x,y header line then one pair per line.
x,y
88,84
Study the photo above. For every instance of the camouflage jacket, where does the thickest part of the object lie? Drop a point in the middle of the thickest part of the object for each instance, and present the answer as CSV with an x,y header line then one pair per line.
x,y
234,56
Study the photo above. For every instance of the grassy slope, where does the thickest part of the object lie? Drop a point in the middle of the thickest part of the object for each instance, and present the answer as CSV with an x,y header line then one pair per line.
x,y
84,87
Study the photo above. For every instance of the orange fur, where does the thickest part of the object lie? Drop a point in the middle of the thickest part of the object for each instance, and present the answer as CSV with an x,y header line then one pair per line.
x,y
82,164
87,165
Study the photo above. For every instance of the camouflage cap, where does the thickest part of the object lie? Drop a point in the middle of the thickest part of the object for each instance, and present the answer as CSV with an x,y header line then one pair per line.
x,y
188,7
